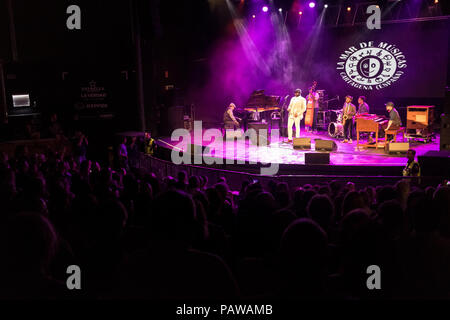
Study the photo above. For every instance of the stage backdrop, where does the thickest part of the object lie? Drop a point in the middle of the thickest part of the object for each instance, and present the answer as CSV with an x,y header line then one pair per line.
x,y
407,60
403,62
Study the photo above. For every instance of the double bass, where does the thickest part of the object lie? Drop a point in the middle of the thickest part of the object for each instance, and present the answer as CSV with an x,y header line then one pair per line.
x,y
309,118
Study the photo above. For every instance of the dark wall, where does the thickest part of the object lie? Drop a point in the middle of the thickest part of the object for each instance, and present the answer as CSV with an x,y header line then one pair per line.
x,y
55,62
42,35
425,47
5,47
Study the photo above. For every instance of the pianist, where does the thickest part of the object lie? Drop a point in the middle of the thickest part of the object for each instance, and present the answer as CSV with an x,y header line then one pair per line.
x,y
229,120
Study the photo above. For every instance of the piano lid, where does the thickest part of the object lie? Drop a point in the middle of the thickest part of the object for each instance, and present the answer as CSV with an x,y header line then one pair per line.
x,y
259,99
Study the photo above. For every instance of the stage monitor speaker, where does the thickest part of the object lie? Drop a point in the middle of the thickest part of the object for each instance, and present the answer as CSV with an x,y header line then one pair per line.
x,y
262,133
325,145
317,158
445,132
435,164
302,143
397,147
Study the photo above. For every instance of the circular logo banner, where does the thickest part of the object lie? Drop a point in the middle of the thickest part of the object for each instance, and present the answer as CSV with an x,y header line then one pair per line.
x,y
371,65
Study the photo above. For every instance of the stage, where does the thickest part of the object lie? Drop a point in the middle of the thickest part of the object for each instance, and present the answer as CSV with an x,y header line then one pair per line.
x,y
242,155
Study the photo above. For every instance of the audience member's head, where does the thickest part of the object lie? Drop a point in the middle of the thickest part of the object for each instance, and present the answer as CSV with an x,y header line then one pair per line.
x,y
181,177
352,200
173,219
303,255
29,245
321,210
441,201
391,217
386,193
194,183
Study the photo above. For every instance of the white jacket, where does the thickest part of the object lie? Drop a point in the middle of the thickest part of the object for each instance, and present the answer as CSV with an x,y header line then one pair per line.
x,y
297,106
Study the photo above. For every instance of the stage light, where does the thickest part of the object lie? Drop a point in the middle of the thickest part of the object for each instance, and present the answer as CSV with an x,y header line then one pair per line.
x,y
436,1
253,16
349,9
325,6
280,9
300,13
265,9
312,4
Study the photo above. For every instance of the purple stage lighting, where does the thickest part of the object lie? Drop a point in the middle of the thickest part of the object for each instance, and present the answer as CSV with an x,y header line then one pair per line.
x,y
265,9
312,4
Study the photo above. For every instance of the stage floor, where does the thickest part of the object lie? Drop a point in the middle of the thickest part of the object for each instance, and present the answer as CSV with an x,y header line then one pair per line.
x,y
283,153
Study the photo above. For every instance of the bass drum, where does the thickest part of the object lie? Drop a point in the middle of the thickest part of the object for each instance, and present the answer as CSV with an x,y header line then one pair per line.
x,y
335,129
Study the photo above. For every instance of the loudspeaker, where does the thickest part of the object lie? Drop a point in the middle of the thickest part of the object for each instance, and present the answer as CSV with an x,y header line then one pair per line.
x,y
435,163
317,158
326,145
262,133
397,147
302,143
445,132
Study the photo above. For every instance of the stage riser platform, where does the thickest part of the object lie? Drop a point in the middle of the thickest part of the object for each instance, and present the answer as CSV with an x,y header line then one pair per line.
x,y
347,160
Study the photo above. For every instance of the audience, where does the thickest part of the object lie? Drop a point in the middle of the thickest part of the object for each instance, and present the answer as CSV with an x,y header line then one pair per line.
x,y
136,235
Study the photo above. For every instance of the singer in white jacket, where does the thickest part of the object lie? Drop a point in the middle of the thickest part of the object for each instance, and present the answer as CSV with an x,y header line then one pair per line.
x,y
296,109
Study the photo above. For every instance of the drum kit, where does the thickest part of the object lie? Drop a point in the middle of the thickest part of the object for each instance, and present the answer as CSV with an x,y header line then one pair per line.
x,y
336,128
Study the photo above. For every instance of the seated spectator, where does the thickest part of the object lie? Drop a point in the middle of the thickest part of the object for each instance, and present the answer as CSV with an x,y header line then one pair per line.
x,y
390,215
321,210
353,200
28,246
441,204
303,255
169,268
181,181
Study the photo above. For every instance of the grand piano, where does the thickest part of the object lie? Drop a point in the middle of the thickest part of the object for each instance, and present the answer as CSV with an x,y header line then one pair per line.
x,y
370,123
258,107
